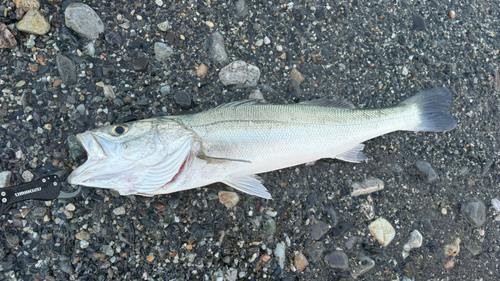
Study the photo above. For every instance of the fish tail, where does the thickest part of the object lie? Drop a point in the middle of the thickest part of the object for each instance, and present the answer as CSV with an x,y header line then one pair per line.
x,y
432,108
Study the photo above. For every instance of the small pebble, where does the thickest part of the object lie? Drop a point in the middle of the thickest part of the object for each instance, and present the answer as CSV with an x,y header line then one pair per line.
x,y
452,14
119,211
162,51
300,262
474,211
165,90
82,235
20,84
427,169
70,207
279,252
183,99
415,241
382,230
364,265
216,49
82,19
259,42
267,41
337,260
202,70
297,76
318,229
164,26
34,22
269,228
228,198
27,176
84,244
7,39
496,204
239,74
418,22
368,186
5,178
449,264
210,24
140,64
453,248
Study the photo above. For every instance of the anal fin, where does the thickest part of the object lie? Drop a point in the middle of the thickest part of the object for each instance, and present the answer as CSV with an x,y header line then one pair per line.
x,y
250,184
354,155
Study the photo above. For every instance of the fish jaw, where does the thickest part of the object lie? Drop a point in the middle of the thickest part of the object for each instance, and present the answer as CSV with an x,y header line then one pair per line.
x,y
100,169
107,166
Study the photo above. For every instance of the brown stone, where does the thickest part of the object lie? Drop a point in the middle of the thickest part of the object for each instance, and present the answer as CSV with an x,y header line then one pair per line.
x,y
57,83
34,67
7,40
34,23
300,262
27,4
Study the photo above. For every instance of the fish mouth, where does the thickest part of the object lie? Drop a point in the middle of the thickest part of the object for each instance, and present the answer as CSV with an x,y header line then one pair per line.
x,y
106,169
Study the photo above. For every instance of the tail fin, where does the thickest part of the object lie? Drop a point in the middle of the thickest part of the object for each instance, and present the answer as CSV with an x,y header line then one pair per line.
x,y
432,105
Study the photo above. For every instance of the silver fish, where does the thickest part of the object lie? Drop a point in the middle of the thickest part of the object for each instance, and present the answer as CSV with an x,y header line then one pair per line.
x,y
234,142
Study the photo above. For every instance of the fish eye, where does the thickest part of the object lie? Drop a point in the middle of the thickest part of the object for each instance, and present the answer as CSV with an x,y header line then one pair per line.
x,y
119,130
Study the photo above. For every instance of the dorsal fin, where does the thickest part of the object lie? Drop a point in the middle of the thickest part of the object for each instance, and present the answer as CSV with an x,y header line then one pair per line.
x,y
329,102
239,103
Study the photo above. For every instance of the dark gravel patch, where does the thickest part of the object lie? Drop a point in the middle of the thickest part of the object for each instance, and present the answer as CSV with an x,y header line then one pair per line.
x,y
372,53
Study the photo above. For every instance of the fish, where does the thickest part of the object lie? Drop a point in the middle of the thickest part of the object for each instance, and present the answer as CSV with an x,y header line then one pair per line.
x,y
235,142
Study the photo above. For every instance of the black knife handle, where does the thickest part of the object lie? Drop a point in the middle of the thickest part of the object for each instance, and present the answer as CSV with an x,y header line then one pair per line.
x,y
46,188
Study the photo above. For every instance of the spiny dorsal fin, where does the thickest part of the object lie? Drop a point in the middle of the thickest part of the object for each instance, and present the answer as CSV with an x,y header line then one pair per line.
x,y
329,102
239,103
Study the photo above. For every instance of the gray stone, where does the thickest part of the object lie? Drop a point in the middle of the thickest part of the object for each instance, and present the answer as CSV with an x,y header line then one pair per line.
x,y
67,69
39,212
162,51
318,230
415,241
119,211
418,22
239,74
337,260
75,147
474,211
279,252
349,244
165,90
315,251
241,8
108,250
269,228
216,51
183,99
81,109
83,20
426,168
365,264
5,178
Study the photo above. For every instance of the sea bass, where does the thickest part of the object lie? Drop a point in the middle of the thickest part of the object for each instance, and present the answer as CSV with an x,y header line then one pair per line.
x,y
234,142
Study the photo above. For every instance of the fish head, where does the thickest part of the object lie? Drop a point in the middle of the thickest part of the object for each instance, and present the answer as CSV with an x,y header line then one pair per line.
x,y
142,157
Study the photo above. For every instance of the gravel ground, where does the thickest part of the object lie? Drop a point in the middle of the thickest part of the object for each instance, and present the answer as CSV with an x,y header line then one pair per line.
x,y
371,53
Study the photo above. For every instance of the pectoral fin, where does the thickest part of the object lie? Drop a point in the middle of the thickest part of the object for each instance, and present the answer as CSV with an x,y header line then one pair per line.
x,y
250,184
354,155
